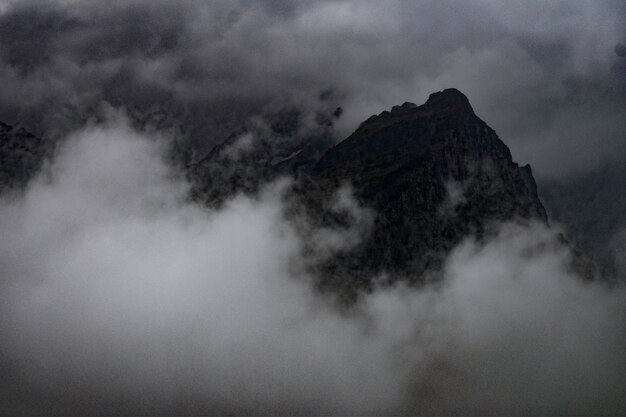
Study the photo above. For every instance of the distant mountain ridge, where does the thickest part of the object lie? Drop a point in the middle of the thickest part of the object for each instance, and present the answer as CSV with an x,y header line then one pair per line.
x,y
593,208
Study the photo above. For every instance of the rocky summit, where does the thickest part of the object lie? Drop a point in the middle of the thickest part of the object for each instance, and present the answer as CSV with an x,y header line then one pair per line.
x,y
433,174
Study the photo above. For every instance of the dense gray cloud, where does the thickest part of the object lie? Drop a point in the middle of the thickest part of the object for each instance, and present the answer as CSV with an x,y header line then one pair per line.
x,y
544,75
120,296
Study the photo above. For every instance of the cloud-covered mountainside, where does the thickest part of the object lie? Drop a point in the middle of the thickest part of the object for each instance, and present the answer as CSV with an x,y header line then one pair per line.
x,y
122,295
199,215
549,77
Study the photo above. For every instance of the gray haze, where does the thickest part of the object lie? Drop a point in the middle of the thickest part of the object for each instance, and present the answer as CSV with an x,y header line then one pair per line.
x,y
550,77
119,296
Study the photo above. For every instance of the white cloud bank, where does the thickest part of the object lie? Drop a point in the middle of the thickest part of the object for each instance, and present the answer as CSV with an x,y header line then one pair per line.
x,y
120,296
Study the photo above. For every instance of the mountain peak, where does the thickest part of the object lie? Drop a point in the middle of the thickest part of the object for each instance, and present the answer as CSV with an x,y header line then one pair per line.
x,y
434,174
449,99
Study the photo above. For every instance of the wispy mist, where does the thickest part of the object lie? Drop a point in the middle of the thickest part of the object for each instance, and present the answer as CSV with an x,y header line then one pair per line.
x,y
120,296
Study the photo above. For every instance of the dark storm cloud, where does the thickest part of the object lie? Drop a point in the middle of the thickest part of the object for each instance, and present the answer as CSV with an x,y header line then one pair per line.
x,y
542,74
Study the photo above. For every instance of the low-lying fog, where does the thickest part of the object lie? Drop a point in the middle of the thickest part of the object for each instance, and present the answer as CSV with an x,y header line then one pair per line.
x,y
118,295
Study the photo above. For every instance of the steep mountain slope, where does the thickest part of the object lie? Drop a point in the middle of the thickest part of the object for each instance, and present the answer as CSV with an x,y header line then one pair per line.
x,y
434,174
280,143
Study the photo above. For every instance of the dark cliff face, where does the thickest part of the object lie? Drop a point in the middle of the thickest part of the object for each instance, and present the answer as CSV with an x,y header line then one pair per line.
x,y
434,174
21,156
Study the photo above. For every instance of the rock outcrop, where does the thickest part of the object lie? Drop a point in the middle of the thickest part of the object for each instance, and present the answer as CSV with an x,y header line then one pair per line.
x,y
21,156
434,174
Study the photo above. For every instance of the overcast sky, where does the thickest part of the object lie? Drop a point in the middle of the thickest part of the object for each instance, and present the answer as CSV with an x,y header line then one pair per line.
x,y
549,76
